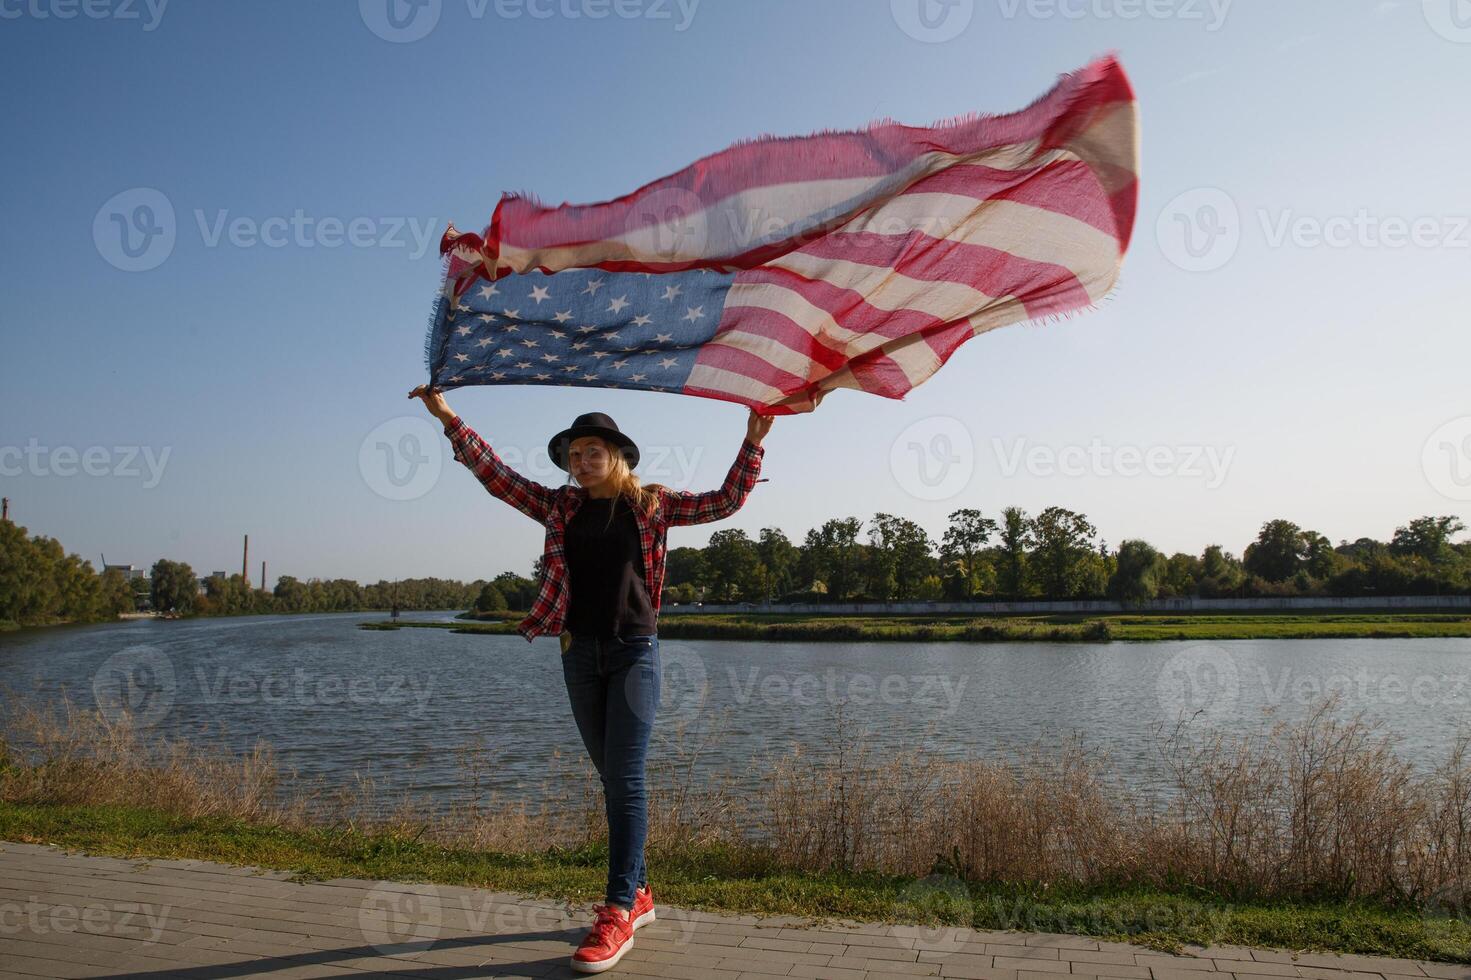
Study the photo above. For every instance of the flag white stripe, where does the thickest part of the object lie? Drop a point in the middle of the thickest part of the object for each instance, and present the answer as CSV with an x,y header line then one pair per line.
x,y
719,379
1023,230
693,232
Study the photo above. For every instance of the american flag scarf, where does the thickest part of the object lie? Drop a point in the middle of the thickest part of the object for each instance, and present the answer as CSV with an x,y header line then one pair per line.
x,y
780,269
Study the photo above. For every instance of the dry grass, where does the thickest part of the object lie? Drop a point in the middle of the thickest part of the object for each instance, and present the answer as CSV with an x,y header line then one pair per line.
x,y
1324,809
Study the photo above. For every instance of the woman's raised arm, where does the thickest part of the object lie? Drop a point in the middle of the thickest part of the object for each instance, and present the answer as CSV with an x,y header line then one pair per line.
x,y
529,497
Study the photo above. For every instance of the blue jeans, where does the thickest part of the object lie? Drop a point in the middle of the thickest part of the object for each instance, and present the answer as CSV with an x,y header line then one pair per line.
x,y
613,684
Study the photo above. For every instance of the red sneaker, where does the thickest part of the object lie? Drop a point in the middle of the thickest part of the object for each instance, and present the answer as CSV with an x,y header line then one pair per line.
x,y
643,906
609,938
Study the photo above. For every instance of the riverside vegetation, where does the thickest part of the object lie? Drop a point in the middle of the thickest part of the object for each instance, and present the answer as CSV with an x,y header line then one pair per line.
x,y
1310,836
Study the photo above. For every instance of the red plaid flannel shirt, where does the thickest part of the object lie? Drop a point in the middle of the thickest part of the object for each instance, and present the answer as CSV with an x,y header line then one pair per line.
x,y
554,507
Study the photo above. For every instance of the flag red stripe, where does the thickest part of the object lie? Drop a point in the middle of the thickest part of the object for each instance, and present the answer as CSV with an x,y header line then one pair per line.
x,y
1040,285
1067,187
780,328
1065,111
749,365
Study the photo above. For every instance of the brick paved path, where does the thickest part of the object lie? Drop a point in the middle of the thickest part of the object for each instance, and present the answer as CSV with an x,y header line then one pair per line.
x,y
69,915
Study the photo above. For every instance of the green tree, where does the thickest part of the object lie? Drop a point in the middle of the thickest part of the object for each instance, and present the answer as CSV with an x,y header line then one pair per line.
x,y
1278,553
779,558
1139,573
964,544
902,554
115,593
293,596
1220,573
735,566
1063,540
173,586
832,555
686,565
518,590
1016,541
1320,561
1182,575
1428,538
490,599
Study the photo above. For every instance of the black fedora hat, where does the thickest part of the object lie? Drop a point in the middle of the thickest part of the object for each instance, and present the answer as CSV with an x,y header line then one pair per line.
x,y
591,424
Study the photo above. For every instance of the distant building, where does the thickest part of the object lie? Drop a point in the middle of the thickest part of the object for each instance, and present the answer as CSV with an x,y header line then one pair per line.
x,y
129,572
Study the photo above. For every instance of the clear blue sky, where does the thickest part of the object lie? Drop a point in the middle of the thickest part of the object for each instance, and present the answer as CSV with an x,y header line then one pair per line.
x,y
1315,372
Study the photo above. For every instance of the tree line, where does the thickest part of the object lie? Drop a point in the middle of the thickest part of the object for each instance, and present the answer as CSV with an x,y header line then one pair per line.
x,y
40,584
1055,554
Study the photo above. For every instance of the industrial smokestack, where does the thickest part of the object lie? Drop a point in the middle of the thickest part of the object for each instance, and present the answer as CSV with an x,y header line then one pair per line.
x,y
245,563
4,509
263,574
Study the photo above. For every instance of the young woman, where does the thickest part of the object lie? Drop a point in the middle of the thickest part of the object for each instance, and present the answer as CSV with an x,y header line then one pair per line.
x,y
601,579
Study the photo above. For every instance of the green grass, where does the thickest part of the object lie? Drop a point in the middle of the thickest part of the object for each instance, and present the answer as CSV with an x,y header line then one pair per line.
x,y
737,881
799,627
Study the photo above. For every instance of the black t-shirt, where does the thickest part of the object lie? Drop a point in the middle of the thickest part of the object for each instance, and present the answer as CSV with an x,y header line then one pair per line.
x,y
605,566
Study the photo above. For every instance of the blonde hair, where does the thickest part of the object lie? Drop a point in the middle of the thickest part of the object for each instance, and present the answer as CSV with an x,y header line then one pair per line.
x,y
626,483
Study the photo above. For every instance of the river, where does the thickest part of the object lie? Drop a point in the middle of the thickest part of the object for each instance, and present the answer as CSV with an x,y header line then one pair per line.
x,y
333,699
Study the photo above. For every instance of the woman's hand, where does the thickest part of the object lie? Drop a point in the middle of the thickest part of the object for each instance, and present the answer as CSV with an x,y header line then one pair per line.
x,y
434,401
757,426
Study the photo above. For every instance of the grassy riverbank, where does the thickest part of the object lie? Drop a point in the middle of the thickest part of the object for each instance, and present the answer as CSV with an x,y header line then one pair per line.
x,y
722,879
1332,841
787,627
